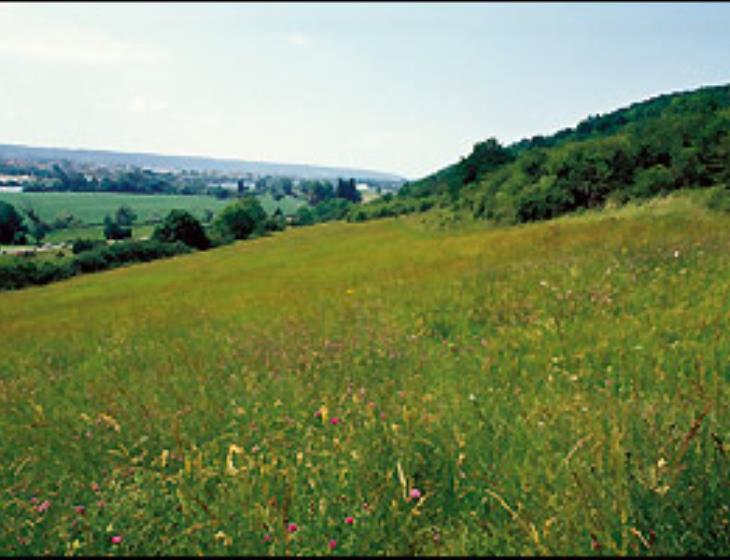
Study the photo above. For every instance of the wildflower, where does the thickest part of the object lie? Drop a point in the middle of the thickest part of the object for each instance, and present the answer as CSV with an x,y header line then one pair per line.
x,y
34,500
335,420
94,487
116,539
80,509
415,494
332,544
318,413
100,504
595,545
267,537
292,527
350,520
43,506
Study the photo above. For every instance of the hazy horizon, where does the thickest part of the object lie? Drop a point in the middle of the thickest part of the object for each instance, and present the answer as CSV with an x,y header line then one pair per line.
x,y
396,88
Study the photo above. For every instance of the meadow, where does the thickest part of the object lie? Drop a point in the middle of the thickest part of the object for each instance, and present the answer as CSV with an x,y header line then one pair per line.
x,y
387,387
90,208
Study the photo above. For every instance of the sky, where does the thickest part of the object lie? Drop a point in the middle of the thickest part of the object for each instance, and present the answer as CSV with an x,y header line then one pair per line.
x,y
405,88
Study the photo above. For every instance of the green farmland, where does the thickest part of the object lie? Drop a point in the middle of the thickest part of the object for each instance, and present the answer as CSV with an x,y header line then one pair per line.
x,y
90,208
381,388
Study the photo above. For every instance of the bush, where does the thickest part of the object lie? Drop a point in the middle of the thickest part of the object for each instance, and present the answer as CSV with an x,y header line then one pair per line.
x,y
241,219
720,199
182,226
114,230
81,245
112,256
21,272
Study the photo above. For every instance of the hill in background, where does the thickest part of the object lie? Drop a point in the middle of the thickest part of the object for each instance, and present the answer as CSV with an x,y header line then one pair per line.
x,y
181,163
648,149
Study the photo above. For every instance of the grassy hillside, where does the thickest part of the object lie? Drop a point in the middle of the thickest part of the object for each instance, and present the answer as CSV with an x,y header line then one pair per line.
x,y
648,149
556,388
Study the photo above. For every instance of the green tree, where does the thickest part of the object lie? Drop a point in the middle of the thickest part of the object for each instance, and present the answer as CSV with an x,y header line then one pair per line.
x,y
113,230
180,225
125,216
38,228
241,219
346,189
304,216
12,229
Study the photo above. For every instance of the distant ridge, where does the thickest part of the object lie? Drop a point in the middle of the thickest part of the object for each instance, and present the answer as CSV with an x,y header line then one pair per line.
x,y
179,163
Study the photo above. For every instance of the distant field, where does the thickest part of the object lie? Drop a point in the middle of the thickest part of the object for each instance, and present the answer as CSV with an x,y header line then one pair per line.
x,y
90,208
383,388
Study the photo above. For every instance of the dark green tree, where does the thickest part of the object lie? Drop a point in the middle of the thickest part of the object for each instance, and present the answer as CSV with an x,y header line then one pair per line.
x,y
12,229
180,225
346,189
113,230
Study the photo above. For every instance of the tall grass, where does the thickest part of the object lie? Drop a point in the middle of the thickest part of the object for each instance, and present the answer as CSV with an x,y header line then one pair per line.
x,y
555,388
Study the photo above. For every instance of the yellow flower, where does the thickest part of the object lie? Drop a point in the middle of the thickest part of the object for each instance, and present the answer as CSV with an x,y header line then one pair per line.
x,y
233,449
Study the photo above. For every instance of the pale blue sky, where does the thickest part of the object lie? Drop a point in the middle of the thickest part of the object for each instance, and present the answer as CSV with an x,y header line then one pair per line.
x,y
405,88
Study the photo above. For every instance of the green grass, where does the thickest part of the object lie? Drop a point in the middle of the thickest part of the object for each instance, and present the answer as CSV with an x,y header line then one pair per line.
x,y
553,388
93,232
90,208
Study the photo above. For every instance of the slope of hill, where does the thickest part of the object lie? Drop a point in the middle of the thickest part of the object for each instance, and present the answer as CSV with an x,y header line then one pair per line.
x,y
648,149
381,388
179,163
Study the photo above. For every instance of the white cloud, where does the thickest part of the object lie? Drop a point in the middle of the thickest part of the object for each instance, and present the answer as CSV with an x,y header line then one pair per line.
x,y
298,39
23,38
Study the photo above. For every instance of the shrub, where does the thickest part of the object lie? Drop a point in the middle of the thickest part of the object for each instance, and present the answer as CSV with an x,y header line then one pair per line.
x,y
81,245
182,226
241,219
720,199
114,230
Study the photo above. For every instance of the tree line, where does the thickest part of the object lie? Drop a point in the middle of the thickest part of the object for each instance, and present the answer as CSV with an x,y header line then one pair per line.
x,y
649,149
